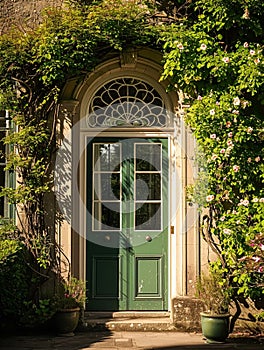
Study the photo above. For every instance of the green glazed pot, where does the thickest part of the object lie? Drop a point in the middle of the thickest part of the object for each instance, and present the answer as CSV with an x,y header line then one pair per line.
x,y
215,328
66,320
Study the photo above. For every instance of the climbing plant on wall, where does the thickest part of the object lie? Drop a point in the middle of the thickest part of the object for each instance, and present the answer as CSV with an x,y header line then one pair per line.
x,y
34,66
216,59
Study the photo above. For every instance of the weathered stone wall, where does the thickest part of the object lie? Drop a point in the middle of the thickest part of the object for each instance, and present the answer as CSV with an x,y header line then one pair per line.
x,y
23,13
186,315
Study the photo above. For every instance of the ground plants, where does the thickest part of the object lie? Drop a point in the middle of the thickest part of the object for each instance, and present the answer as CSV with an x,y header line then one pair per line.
x,y
214,293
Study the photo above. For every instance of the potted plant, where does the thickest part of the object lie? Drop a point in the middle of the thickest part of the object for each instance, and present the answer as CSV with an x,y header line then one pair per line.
x,y
69,301
215,294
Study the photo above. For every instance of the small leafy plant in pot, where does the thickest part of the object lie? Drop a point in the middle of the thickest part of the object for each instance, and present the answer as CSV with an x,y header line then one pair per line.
x,y
69,301
215,295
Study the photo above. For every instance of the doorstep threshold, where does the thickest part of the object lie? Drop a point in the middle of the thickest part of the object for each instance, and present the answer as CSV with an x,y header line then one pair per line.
x,y
127,314
128,321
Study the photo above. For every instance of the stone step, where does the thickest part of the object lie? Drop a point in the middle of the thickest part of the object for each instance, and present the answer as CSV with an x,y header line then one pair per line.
x,y
128,321
127,314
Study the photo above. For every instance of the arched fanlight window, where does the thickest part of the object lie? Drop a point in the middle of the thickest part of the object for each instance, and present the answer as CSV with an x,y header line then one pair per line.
x,y
126,102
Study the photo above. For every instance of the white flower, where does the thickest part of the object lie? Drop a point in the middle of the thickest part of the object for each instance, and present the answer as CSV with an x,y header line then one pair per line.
x,y
203,47
210,198
229,143
256,258
244,202
180,46
222,151
261,200
199,98
230,134
246,45
257,60
226,59
252,52
236,168
257,159
213,136
236,101
249,130
212,112
244,104
227,231
255,200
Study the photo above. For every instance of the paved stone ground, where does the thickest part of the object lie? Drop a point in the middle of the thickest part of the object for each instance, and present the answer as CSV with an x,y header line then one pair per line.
x,y
126,341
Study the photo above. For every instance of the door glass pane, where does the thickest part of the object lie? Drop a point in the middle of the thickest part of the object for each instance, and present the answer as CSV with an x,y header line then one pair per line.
x,y
106,216
148,186
2,167
107,186
148,157
148,193
148,216
2,184
107,157
2,147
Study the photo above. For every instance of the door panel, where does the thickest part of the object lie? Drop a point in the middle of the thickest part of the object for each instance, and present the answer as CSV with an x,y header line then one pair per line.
x,y
127,224
105,273
148,277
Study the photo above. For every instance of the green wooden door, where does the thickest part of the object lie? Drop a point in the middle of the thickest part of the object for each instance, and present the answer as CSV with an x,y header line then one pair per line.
x,y
127,224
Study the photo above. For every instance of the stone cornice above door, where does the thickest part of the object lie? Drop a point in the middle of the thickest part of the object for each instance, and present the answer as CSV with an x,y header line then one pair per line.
x,y
129,58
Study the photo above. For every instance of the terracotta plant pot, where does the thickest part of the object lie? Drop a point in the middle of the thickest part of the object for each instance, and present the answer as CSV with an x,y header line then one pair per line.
x,y
66,321
215,328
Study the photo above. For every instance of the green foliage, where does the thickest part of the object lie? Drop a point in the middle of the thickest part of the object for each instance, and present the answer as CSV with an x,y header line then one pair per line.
x,y
37,314
260,316
9,244
15,279
19,283
216,58
72,294
122,24
214,292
